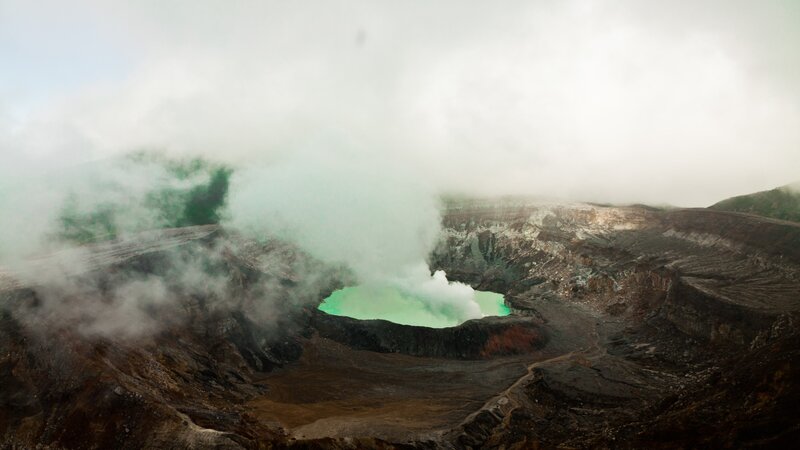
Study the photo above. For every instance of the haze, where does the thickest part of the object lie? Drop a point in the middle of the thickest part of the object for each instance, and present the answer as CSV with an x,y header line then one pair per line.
x,y
628,101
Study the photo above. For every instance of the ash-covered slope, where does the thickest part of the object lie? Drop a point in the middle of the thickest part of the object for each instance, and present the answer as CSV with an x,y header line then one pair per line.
x,y
631,328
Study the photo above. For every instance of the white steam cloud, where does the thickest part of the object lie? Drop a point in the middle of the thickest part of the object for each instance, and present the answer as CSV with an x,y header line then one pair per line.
x,y
378,221
629,101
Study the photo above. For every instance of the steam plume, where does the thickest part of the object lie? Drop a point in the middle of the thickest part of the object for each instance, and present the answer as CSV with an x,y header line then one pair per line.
x,y
377,220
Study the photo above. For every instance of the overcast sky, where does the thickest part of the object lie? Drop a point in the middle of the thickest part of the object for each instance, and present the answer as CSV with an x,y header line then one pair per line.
x,y
622,101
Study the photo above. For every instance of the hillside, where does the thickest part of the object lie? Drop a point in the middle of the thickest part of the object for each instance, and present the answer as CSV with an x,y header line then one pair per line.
x,y
779,203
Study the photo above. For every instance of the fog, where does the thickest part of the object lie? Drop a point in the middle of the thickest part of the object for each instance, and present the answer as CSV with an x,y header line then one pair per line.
x,y
627,101
377,220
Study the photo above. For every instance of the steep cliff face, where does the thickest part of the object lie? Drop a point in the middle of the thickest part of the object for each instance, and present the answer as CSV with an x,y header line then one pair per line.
x,y
630,327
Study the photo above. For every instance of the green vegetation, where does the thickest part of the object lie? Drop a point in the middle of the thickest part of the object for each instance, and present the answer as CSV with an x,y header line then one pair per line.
x,y
77,226
779,203
203,202
178,193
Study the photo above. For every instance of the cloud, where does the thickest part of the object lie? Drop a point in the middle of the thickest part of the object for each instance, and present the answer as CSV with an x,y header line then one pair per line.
x,y
373,218
584,100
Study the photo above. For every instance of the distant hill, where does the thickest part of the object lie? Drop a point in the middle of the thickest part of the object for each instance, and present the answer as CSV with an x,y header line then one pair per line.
x,y
779,203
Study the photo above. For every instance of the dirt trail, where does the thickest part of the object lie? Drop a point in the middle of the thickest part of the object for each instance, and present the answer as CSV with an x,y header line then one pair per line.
x,y
505,402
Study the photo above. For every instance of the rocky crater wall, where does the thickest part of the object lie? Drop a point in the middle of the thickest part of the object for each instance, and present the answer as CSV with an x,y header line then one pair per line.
x,y
474,339
719,277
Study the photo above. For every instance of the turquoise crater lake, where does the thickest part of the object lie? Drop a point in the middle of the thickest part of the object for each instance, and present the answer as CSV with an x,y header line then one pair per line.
x,y
394,305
